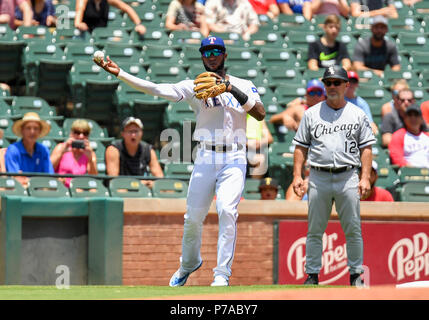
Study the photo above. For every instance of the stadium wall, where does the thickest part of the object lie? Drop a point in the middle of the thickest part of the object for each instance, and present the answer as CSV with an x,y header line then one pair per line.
x,y
153,234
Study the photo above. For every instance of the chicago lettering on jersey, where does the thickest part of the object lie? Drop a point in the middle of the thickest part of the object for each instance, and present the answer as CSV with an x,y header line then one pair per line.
x,y
321,129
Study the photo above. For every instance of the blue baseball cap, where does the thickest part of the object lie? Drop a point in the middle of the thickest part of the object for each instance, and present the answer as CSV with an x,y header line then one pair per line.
x,y
212,42
315,84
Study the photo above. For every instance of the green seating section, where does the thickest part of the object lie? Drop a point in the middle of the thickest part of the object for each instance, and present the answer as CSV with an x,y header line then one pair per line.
x,y
62,83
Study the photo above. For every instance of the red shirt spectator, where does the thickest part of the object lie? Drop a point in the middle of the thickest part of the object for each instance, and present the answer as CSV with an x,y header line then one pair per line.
x,y
379,194
425,111
267,7
410,145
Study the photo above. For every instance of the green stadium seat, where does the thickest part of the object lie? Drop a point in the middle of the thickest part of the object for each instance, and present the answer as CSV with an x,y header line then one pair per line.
x,y
297,40
166,73
23,104
160,54
176,113
414,192
48,143
169,188
408,42
242,57
404,24
56,132
286,92
37,34
387,177
191,56
420,61
93,93
10,55
66,36
83,187
294,22
180,171
374,96
153,36
10,186
267,38
47,187
279,75
79,51
126,187
46,71
253,74
180,38
231,39
411,174
102,36
411,76
277,56
122,53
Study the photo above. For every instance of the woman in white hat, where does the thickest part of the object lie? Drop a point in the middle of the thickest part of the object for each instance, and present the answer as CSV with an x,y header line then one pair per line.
x,y
28,155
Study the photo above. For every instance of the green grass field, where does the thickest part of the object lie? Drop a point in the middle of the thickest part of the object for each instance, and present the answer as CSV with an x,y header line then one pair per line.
x,y
119,292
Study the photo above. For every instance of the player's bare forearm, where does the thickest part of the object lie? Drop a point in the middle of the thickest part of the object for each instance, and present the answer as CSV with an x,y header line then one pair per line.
x,y
299,157
366,161
258,111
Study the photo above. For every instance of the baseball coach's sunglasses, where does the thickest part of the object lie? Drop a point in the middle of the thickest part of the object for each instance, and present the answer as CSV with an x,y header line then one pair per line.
x,y
336,83
215,52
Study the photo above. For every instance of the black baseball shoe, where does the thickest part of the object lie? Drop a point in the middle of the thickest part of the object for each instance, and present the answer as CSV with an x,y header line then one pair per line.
x,y
313,279
356,280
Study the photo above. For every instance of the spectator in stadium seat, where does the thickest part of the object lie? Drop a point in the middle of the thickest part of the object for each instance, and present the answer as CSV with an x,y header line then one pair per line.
x,y
67,158
395,120
327,7
328,51
7,12
292,116
359,101
375,53
43,14
184,15
291,7
398,85
410,145
268,188
376,193
28,155
91,14
235,16
130,156
371,8
266,7
258,139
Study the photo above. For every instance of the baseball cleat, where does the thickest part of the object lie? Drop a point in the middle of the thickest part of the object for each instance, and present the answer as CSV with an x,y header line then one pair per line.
x,y
313,279
178,279
220,281
356,280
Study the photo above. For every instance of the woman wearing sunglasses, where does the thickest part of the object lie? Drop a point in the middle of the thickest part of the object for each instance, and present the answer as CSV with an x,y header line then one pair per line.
x,y
75,156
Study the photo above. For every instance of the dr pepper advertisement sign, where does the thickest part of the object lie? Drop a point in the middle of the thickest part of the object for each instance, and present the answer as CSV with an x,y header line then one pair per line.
x,y
394,252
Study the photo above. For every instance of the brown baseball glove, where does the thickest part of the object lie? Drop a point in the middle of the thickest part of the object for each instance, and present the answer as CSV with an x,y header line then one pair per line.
x,y
209,84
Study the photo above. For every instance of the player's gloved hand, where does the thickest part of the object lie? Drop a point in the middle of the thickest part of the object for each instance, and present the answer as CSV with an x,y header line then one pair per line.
x,y
209,84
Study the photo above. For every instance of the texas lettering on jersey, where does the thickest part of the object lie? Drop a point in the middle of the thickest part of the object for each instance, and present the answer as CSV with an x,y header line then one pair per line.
x,y
229,101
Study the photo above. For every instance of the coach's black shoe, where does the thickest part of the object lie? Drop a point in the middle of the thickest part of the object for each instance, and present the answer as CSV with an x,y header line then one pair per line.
x,y
313,279
356,280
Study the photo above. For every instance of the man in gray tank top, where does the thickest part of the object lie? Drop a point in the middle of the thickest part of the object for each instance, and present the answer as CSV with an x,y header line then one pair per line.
x,y
336,136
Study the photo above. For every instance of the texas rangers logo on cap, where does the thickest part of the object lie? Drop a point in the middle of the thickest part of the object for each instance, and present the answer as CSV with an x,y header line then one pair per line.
x,y
212,42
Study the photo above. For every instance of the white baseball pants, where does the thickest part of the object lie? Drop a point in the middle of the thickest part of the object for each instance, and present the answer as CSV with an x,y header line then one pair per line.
x,y
223,174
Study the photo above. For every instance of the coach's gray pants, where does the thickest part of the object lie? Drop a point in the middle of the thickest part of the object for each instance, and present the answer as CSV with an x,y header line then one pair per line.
x,y
324,189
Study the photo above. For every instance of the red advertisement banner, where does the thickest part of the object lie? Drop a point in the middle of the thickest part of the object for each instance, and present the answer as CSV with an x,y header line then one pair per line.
x,y
394,253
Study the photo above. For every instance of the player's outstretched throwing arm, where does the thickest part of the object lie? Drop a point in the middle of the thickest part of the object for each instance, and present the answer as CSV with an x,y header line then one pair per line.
x,y
162,90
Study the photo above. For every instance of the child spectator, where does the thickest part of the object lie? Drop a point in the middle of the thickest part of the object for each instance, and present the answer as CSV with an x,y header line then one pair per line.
x,y
376,193
184,15
328,51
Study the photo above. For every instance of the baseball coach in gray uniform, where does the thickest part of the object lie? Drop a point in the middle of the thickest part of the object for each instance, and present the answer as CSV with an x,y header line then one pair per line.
x,y
336,136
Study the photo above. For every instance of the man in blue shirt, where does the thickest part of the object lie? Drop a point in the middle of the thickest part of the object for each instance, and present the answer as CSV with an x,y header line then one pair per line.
x,y
28,155
359,101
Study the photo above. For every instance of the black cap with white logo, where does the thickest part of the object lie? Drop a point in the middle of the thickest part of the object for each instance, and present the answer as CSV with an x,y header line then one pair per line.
x,y
335,72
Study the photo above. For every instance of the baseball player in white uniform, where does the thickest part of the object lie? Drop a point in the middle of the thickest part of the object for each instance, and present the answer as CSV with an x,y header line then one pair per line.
x,y
336,136
220,164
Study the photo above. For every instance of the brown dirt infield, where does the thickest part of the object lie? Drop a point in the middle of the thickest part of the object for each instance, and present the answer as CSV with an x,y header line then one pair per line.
x,y
373,293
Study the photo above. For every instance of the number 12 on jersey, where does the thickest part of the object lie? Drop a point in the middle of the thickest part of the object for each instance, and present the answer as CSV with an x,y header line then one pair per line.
x,y
350,146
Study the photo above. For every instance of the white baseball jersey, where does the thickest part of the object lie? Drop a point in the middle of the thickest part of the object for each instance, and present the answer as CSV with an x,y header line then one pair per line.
x,y
220,120
334,137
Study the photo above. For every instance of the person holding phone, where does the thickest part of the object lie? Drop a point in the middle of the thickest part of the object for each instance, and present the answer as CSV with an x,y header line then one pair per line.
x,y
75,156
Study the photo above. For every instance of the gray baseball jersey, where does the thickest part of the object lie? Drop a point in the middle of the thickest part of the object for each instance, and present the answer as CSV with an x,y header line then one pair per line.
x,y
334,137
